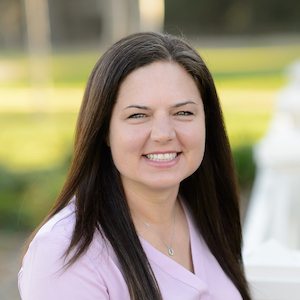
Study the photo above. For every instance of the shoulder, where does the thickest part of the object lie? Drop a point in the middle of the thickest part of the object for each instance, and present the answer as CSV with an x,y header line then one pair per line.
x,y
62,224
43,276
53,238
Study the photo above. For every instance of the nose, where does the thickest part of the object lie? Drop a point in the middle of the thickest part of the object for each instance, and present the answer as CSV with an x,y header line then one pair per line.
x,y
162,130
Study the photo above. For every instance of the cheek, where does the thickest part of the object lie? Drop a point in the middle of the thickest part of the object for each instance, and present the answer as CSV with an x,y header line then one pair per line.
x,y
194,136
126,144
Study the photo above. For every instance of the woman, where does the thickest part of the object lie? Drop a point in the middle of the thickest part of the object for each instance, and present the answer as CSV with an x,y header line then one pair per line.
x,y
150,208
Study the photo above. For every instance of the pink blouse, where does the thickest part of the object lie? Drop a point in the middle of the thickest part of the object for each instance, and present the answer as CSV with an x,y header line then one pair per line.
x,y
98,275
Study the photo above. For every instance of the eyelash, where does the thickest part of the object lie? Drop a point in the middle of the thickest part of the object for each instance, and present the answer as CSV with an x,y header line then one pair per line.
x,y
184,113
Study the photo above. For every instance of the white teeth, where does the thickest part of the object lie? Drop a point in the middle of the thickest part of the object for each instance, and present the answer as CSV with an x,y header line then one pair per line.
x,y
162,157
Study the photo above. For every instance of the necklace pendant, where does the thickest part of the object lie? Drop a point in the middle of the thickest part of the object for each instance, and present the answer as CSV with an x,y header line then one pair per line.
x,y
171,251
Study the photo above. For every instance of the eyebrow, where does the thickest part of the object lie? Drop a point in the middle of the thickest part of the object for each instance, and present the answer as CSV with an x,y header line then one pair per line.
x,y
149,108
138,106
182,104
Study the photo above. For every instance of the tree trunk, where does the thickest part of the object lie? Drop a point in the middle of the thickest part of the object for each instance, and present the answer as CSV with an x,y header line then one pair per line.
x,y
39,47
123,17
152,14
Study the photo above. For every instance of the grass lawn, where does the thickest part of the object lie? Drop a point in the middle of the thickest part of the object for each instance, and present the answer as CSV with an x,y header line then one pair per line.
x,y
37,127
33,141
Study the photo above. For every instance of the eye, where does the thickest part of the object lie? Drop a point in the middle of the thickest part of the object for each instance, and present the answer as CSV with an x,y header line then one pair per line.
x,y
184,113
137,116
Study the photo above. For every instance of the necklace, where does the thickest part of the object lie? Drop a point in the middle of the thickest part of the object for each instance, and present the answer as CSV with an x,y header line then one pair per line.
x,y
170,249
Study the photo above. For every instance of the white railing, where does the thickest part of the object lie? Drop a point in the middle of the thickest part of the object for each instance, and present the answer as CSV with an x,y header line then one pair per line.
x,y
272,225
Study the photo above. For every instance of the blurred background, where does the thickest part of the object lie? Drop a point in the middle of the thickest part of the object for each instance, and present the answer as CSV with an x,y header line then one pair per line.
x,y
47,51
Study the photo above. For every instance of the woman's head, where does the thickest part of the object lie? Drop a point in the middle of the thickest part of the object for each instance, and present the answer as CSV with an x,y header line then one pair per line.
x,y
129,54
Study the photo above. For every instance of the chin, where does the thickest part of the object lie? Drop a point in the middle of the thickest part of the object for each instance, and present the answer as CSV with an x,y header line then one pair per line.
x,y
163,185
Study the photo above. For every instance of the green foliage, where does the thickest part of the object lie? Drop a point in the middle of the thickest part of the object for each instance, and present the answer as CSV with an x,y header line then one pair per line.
x,y
26,197
243,160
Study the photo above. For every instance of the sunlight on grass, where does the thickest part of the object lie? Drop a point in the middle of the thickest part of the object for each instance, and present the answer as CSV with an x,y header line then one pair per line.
x,y
247,100
245,128
247,113
47,100
33,141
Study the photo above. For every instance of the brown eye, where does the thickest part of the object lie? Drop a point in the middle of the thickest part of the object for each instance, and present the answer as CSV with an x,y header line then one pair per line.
x,y
183,113
136,116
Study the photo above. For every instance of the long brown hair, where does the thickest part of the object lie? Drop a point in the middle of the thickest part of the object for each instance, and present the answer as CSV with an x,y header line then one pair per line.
x,y
211,191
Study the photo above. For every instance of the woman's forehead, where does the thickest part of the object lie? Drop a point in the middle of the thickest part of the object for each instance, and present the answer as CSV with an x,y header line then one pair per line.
x,y
159,79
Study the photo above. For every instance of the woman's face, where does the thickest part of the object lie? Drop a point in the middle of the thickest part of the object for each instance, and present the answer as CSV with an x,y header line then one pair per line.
x,y
157,128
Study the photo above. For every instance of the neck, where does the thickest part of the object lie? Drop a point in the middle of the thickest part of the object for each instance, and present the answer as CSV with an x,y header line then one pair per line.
x,y
152,206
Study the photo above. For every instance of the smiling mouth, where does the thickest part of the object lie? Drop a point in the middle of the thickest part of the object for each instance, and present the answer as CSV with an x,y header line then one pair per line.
x,y
162,157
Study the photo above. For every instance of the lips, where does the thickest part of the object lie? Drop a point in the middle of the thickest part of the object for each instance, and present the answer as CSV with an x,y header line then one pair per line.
x,y
162,157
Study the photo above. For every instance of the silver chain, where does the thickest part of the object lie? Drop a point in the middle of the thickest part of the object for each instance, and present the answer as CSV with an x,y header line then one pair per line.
x,y
170,249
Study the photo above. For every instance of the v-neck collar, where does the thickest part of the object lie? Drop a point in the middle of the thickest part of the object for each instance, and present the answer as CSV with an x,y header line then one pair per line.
x,y
198,279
